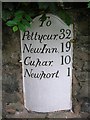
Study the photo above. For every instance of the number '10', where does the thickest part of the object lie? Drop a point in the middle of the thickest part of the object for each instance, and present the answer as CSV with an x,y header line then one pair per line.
x,y
65,59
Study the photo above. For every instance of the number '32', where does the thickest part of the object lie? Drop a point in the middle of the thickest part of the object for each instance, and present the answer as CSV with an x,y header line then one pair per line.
x,y
65,34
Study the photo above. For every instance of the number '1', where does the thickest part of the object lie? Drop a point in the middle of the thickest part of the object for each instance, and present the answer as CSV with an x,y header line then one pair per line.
x,y
68,71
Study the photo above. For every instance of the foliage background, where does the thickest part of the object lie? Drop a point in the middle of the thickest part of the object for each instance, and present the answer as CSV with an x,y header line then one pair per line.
x,y
19,15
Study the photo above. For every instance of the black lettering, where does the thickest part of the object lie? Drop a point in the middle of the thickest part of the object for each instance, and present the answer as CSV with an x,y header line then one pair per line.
x,y
25,61
27,73
25,47
49,37
31,36
44,37
55,36
35,36
53,74
50,63
40,38
37,50
54,50
43,48
38,62
67,59
26,34
48,75
57,74
68,71
48,23
68,32
42,75
62,31
48,50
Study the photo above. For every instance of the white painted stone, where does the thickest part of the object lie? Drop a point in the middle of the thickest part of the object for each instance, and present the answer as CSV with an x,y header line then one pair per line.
x,y
51,91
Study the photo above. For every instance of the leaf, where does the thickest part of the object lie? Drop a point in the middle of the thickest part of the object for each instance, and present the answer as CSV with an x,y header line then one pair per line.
x,y
89,4
15,28
22,27
25,22
16,20
19,15
11,23
64,16
28,18
68,20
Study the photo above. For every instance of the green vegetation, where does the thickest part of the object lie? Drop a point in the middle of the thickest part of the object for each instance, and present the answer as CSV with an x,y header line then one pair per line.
x,y
89,4
19,15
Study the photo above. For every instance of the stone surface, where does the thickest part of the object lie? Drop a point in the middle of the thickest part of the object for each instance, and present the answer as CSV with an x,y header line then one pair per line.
x,y
85,106
10,111
76,86
0,103
26,114
82,76
63,114
13,106
86,66
10,83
